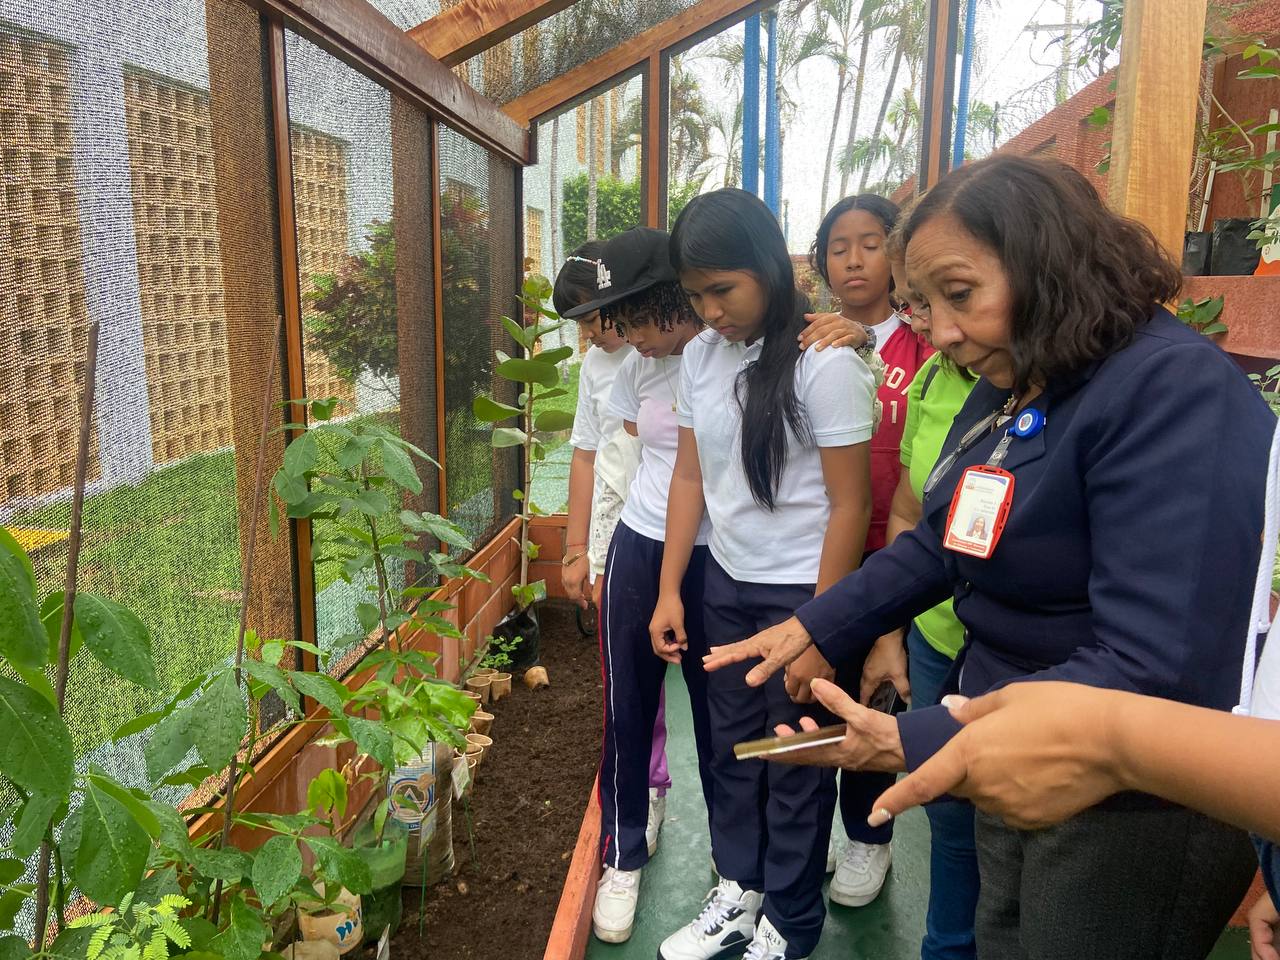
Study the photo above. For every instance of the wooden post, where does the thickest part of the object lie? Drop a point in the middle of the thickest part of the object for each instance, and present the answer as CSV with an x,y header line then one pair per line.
x,y
1154,128
246,208
654,149
939,83
291,293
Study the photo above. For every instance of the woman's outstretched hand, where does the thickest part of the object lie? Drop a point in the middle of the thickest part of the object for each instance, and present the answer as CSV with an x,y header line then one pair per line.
x,y
1032,754
870,743
830,330
776,647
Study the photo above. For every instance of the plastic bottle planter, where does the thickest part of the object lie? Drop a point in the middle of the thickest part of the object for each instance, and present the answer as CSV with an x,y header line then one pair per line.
x,y
418,797
343,927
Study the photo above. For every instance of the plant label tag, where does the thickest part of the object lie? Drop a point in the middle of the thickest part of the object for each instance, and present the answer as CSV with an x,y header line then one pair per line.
x,y
384,944
461,779
979,511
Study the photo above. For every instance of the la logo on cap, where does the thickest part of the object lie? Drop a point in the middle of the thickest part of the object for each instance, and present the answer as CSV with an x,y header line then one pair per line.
x,y
602,276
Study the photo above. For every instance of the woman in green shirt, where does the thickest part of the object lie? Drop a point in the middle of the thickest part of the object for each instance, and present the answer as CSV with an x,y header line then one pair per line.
x,y
934,398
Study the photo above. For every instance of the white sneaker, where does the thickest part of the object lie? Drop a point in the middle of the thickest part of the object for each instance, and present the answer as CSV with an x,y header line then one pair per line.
x,y
860,873
725,925
615,911
657,813
833,852
768,944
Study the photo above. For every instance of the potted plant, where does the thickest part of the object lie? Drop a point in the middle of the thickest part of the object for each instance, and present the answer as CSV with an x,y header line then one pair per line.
x,y
535,373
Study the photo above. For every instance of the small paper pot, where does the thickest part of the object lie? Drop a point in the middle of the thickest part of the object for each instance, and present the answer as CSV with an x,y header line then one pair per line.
x,y
473,768
472,695
536,677
499,686
481,722
485,672
343,927
480,685
485,743
475,752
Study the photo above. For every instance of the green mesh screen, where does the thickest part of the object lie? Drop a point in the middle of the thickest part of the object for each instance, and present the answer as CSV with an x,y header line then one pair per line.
x,y
478,264
136,193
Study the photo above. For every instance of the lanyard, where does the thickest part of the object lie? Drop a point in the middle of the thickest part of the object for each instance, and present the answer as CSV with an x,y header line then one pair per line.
x,y
997,418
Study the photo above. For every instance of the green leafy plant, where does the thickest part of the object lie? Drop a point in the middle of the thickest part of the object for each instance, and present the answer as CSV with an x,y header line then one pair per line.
x,y
499,650
137,931
538,379
617,206
1203,315
1268,385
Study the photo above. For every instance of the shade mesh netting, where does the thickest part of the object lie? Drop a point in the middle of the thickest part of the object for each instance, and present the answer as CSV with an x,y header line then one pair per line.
x,y
138,191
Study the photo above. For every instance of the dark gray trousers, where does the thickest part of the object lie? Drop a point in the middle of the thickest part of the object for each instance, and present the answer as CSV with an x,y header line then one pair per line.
x,y
1127,883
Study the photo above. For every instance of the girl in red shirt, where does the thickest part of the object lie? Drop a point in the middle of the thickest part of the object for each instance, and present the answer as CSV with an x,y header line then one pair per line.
x,y
848,253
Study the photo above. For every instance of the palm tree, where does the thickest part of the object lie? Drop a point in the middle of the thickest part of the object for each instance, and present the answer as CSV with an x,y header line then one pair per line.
x,y
799,39
837,13
907,22
868,23
689,125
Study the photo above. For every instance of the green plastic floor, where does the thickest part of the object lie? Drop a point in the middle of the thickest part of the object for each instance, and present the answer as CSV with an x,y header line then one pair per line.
x,y
679,875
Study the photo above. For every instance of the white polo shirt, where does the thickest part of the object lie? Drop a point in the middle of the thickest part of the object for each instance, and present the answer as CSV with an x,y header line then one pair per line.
x,y
836,393
593,424
645,393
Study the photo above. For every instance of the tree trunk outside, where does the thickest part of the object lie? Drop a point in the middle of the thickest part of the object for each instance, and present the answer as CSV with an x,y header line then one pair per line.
x,y
831,141
884,109
857,103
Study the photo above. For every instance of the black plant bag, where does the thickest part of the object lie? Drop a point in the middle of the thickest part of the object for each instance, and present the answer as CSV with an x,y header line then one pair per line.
x,y
523,624
1234,254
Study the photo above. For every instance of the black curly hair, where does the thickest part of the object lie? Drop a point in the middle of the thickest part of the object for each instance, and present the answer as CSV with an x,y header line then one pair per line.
x,y
664,304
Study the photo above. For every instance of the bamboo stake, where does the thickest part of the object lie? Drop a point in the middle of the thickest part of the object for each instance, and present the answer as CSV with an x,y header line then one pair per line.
x,y
246,578
68,603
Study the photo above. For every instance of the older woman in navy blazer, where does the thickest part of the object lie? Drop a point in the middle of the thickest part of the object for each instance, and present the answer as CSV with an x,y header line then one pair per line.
x,y
1127,560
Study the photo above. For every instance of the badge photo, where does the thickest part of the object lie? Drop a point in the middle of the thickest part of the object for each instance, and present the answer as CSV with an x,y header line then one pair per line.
x,y
979,511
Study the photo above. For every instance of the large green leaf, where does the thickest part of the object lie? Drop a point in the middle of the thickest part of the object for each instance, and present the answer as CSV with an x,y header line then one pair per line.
x,y
117,638
32,822
112,852
326,691
341,864
508,437
228,864
169,743
553,420
528,371
397,465
35,751
137,807
301,455
491,411
244,935
220,721
374,739
10,903
518,333
556,355
443,530
276,868
14,947
22,637
327,794
275,678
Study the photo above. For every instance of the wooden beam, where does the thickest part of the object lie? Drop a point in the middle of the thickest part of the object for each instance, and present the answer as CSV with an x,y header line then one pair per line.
x,y
359,35
1154,129
705,15
291,294
473,26
939,93
652,151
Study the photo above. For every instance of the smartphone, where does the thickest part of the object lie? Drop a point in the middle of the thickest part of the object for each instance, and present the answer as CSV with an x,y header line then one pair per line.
x,y
886,699
772,746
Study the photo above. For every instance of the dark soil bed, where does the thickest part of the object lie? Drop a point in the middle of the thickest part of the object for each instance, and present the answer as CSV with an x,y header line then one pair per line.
x,y
526,810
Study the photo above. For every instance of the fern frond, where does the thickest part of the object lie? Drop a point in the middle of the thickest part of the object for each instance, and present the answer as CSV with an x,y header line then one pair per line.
x,y
93,920
171,903
157,947
173,930
98,941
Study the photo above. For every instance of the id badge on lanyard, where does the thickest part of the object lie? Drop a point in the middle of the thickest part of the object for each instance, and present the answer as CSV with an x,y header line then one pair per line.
x,y
980,506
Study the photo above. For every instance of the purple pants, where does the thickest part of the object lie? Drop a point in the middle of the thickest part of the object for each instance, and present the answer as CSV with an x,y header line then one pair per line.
x,y
659,776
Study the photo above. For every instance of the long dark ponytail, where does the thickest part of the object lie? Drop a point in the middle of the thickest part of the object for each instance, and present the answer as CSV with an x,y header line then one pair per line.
x,y
733,230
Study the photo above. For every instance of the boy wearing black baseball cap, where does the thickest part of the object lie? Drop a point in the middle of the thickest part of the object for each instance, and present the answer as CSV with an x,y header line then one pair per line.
x,y
637,292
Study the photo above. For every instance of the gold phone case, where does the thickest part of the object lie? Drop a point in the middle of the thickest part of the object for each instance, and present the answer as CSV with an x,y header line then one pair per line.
x,y
772,746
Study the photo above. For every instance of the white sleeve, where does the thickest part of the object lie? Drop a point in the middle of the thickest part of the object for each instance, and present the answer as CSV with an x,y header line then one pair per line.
x,y
692,359
586,425
624,402
838,391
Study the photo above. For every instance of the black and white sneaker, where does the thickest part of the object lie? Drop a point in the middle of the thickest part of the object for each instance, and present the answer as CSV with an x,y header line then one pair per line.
x,y
725,926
